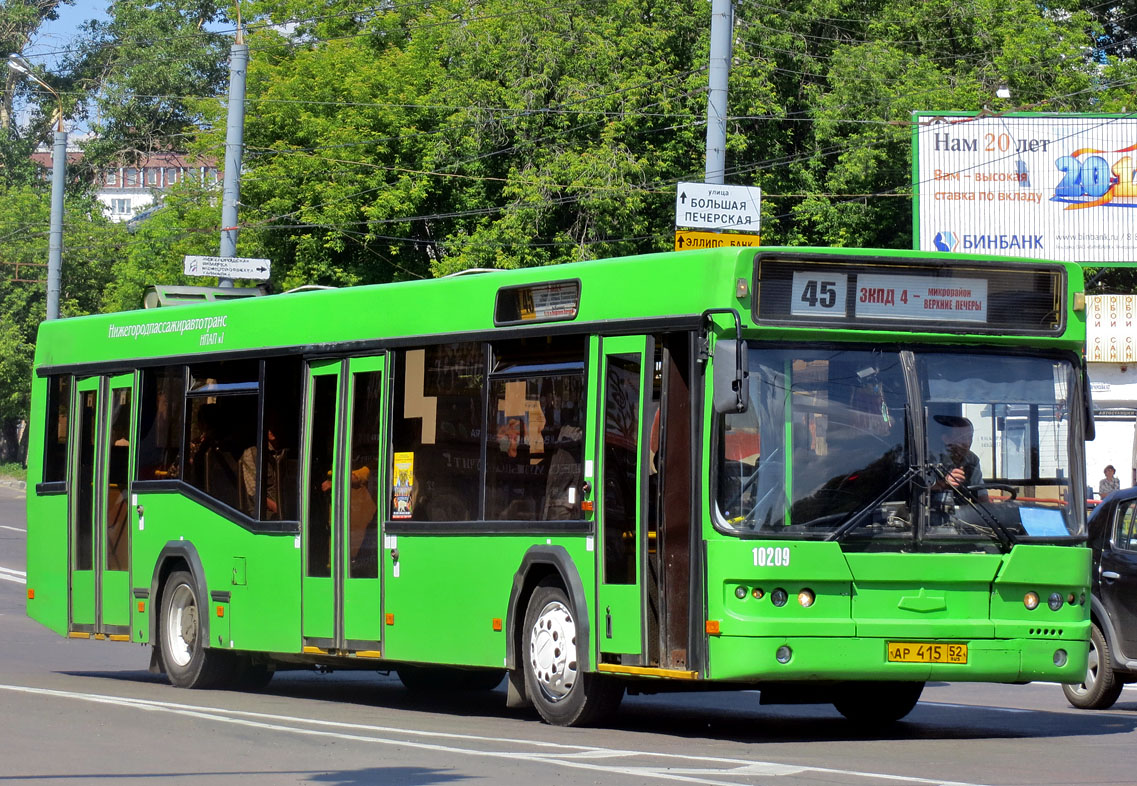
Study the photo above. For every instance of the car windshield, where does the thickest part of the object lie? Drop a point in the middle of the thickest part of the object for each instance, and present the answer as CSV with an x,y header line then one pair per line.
x,y
900,446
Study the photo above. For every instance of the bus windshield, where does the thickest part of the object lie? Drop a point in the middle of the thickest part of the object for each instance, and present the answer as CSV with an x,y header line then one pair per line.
x,y
896,447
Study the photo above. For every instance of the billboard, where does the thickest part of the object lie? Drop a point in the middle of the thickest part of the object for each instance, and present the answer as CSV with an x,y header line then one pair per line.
x,y
1110,321
1036,185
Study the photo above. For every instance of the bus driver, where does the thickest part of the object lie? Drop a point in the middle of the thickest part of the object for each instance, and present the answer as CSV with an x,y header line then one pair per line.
x,y
961,466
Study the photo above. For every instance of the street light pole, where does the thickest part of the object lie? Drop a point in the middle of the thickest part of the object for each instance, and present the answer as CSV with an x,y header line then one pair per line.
x,y
234,142
58,177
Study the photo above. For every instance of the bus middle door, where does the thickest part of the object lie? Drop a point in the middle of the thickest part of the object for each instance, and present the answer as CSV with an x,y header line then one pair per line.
x,y
619,495
341,586
100,508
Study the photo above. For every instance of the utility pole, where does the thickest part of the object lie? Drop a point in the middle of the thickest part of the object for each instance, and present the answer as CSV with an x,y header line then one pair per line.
x,y
58,181
722,32
234,142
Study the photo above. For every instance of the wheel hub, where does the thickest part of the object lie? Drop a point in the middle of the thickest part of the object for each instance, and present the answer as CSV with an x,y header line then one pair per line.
x,y
552,651
181,626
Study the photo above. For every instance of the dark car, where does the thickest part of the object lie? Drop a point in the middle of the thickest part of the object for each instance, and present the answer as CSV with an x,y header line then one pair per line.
x,y
1112,529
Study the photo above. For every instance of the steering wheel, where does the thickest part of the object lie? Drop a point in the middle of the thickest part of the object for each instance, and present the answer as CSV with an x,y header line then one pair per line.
x,y
999,486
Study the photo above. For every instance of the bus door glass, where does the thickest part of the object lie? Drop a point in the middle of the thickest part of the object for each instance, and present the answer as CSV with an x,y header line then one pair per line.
x,y
100,506
341,585
619,494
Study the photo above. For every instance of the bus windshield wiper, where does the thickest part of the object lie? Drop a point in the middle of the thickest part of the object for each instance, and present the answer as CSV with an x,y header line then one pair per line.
x,y
857,517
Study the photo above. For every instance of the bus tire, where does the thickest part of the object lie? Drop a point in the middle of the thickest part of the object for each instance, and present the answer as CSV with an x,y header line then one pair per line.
x,y
562,694
877,702
188,662
1101,687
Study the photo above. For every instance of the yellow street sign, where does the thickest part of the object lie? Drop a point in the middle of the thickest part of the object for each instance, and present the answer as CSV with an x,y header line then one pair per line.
x,y
686,239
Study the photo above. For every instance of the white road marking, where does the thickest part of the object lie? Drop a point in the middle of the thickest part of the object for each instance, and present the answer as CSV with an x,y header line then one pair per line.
x,y
14,529
973,706
11,574
570,756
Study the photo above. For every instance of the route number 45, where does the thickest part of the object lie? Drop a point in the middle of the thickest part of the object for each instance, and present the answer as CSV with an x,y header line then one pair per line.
x,y
818,294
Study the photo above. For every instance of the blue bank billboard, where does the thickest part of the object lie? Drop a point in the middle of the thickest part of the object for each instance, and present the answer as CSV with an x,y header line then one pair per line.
x,y
1059,186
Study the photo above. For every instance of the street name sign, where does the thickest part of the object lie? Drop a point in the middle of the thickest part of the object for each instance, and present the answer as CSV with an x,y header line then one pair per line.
x,y
686,239
228,267
715,206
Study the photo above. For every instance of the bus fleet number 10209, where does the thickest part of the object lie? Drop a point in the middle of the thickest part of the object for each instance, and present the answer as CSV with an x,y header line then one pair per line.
x,y
771,556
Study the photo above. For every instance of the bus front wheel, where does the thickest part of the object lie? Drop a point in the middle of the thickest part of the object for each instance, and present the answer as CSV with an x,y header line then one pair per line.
x,y
877,702
188,662
561,692
1101,687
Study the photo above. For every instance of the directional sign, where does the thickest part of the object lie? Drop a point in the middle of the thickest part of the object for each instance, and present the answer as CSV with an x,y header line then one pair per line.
x,y
227,267
685,239
711,206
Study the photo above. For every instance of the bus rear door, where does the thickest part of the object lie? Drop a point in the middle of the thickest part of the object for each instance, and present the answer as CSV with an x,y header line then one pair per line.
x,y
99,507
341,584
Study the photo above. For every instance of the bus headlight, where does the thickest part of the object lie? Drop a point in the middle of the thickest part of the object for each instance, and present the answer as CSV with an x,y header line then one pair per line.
x,y
1054,601
784,654
779,597
740,592
805,598
1030,600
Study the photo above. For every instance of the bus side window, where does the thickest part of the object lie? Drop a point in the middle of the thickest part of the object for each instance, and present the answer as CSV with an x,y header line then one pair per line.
x,y
160,424
222,405
55,443
534,429
437,433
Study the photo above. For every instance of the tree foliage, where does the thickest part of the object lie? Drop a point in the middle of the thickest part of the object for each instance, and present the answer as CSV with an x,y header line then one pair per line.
x,y
419,140
89,242
19,20
144,69
403,140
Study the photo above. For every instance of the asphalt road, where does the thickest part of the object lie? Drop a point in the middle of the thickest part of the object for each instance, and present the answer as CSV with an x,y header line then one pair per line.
x,y
78,712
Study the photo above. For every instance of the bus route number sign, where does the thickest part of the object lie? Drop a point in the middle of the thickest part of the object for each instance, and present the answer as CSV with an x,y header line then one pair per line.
x,y
818,294
924,652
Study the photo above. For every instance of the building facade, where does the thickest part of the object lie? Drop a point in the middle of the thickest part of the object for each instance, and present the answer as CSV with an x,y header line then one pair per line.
x,y
127,191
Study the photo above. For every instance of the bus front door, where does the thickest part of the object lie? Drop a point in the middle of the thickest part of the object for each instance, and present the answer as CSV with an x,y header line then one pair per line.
x,y
99,508
619,497
341,586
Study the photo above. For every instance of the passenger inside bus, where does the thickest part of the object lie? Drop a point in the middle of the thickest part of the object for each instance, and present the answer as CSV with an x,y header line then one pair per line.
x,y
274,463
561,502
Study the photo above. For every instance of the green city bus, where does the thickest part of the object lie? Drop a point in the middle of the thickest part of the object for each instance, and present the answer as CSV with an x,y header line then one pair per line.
x,y
830,475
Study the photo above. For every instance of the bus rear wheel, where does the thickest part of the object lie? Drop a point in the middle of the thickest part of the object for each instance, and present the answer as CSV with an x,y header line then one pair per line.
x,y
562,694
877,702
188,662
1101,687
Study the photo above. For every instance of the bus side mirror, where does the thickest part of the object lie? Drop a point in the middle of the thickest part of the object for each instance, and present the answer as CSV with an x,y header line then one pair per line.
x,y
731,391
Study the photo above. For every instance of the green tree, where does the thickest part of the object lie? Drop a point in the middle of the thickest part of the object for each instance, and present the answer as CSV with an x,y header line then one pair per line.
x,y
420,142
144,68
19,19
402,142
90,245
156,250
